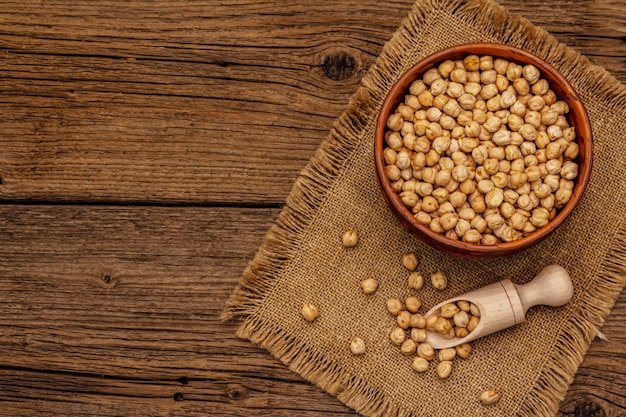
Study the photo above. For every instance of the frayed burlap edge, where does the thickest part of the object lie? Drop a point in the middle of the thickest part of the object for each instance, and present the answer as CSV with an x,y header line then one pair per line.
x,y
316,180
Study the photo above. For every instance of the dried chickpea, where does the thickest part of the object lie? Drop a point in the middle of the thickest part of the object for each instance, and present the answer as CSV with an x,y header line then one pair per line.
x,y
429,204
431,321
472,62
448,220
460,332
462,226
448,310
418,335
472,323
439,280
403,319
394,306
502,82
357,346
459,75
369,285
435,226
540,87
418,322
569,170
463,350
444,369
416,280
417,87
426,351
430,76
422,217
408,347
447,354
409,198
486,63
410,261
443,326
489,397
474,310
395,122
461,319
398,336
488,239
350,239
412,304
420,364
479,224
310,312
463,305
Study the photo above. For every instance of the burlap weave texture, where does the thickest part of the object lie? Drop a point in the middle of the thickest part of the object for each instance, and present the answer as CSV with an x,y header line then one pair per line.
x,y
302,259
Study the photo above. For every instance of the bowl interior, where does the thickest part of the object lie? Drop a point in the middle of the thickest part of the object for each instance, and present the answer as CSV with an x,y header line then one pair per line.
x,y
577,117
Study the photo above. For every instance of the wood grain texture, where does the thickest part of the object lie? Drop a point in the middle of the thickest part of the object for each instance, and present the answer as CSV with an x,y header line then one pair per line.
x,y
187,101
115,311
177,107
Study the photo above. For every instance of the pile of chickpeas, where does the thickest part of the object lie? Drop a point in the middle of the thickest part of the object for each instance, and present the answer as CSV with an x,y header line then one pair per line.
x,y
481,150
454,319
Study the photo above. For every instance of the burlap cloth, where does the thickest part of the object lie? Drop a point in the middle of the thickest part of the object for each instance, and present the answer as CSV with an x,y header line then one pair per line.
x,y
302,259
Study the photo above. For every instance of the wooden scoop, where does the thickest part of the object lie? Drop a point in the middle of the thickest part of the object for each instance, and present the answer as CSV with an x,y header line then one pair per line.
x,y
505,304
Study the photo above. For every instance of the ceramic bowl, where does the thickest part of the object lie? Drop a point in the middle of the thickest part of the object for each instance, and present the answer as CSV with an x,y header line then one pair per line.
x,y
577,117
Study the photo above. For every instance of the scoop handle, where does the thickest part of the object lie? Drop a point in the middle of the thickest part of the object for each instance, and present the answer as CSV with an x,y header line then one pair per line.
x,y
552,287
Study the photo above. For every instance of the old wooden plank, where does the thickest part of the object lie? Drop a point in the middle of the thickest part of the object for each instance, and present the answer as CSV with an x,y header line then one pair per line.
x,y
115,311
214,102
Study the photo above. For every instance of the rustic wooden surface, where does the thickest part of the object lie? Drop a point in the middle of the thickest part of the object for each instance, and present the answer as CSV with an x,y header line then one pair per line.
x,y
146,148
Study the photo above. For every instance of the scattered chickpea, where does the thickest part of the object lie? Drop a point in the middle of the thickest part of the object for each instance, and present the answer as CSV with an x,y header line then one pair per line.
x,y
416,281
489,397
420,364
357,346
404,319
463,350
431,321
369,285
408,347
439,280
397,336
310,312
418,321
444,369
418,335
410,261
412,304
394,306
447,354
425,351
350,238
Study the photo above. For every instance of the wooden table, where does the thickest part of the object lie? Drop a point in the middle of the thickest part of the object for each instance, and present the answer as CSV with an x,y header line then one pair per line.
x,y
146,148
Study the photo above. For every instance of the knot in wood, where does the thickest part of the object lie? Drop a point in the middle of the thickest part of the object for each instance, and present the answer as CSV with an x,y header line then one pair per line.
x,y
108,281
236,392
339,66
589,409
104,279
